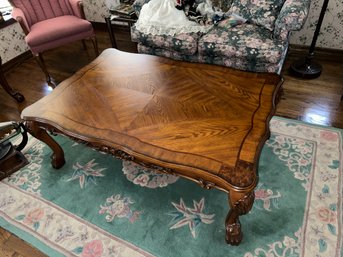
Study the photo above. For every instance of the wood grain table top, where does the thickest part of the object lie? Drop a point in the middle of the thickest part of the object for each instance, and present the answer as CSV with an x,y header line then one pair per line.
x,y
205,122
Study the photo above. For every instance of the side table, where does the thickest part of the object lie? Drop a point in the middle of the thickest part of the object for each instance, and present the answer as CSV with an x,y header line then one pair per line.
x,y
113,19
16,95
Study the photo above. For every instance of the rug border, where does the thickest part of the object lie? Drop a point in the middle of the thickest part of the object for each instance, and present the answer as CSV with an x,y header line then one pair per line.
x,y
40,245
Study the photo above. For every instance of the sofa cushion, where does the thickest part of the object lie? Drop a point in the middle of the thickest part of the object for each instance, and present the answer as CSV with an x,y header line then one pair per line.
x,y
183,43
248,42
261,12
224,5
166,53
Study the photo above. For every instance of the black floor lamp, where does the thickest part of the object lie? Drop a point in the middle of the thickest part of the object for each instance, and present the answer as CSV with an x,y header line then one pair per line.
x,y
307,68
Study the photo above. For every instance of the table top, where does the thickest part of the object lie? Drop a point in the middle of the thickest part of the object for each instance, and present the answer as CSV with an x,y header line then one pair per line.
x,y
205,122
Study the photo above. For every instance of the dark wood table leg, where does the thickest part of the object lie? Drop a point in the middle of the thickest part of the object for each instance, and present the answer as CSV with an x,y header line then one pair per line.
x,y
57,157
16,95
240,204
110,32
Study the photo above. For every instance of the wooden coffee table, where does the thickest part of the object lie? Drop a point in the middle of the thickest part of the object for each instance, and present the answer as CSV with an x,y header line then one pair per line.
x,y
203,122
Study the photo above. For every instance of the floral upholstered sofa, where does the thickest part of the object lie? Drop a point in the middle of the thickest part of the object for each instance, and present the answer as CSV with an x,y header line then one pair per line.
x,y
259,45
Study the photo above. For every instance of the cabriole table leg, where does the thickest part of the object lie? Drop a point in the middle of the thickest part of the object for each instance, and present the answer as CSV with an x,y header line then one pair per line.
x,y
57,157
240,204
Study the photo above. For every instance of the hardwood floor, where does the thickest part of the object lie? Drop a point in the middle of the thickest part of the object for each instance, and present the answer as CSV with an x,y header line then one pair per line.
x,y
315,101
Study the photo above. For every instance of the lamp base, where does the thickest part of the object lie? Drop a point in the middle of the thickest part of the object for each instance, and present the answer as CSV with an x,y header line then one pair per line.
x,y
306,69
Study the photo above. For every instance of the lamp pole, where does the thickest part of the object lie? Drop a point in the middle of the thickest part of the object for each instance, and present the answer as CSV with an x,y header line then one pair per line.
x,y
307,68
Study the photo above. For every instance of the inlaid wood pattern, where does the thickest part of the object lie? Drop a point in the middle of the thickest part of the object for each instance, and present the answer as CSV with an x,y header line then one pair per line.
x,y
193,118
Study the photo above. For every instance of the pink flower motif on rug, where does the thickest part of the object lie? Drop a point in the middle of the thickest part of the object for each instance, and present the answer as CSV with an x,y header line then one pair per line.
x,y
33,218
92,249
328,135
326,215
265,198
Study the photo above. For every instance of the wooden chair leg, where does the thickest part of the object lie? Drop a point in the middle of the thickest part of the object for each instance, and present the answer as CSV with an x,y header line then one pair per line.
x,y
95,45
84,44
3,82
41,63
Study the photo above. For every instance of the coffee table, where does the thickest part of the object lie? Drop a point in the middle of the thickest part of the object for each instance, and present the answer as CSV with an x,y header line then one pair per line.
x,y
203,122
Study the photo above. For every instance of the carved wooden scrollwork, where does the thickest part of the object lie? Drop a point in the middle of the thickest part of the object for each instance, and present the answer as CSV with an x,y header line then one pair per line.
x,y
241,176
244,205
115,152
206,184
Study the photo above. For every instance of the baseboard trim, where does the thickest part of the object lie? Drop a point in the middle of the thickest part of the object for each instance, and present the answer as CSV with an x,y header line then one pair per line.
x,y
330,54
16,61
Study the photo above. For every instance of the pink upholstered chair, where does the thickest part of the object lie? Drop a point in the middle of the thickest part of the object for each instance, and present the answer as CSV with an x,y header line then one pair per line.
x,y
52,23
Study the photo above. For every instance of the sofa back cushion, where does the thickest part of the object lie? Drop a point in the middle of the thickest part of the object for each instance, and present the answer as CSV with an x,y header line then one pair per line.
x,y
224,5
260,12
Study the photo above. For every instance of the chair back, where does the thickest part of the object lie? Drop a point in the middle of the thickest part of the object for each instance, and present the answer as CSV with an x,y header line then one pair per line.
x,y
39,10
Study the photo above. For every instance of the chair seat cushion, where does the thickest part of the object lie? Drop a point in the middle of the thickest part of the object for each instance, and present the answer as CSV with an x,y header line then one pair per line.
x,y
246,42
63,29
185,43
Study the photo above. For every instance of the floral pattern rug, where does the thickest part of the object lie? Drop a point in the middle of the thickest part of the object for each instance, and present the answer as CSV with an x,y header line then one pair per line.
x,y
97,205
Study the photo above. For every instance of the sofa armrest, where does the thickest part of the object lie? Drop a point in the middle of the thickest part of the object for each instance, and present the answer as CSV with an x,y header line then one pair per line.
x,y
19,16
292,17
137,5
77,7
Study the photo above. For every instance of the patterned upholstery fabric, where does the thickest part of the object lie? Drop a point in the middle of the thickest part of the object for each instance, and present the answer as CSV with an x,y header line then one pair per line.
x,y
237,63
250,47
292,17
247,41
262,12
183,43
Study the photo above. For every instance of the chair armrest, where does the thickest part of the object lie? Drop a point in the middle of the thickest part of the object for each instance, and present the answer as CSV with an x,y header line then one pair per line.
x,y
137,5
19,16
77,7
292,17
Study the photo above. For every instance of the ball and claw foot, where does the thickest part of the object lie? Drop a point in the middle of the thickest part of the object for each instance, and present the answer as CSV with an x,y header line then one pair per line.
x,y
234,234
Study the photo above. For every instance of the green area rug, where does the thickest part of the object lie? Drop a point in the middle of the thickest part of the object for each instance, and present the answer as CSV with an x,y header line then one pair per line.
x,y
97,205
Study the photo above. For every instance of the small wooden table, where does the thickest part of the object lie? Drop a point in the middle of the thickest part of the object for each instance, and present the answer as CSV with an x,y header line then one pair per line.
x,y
203,122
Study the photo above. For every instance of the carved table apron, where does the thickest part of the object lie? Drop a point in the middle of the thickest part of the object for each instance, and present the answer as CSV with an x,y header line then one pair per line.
x,y
203,122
